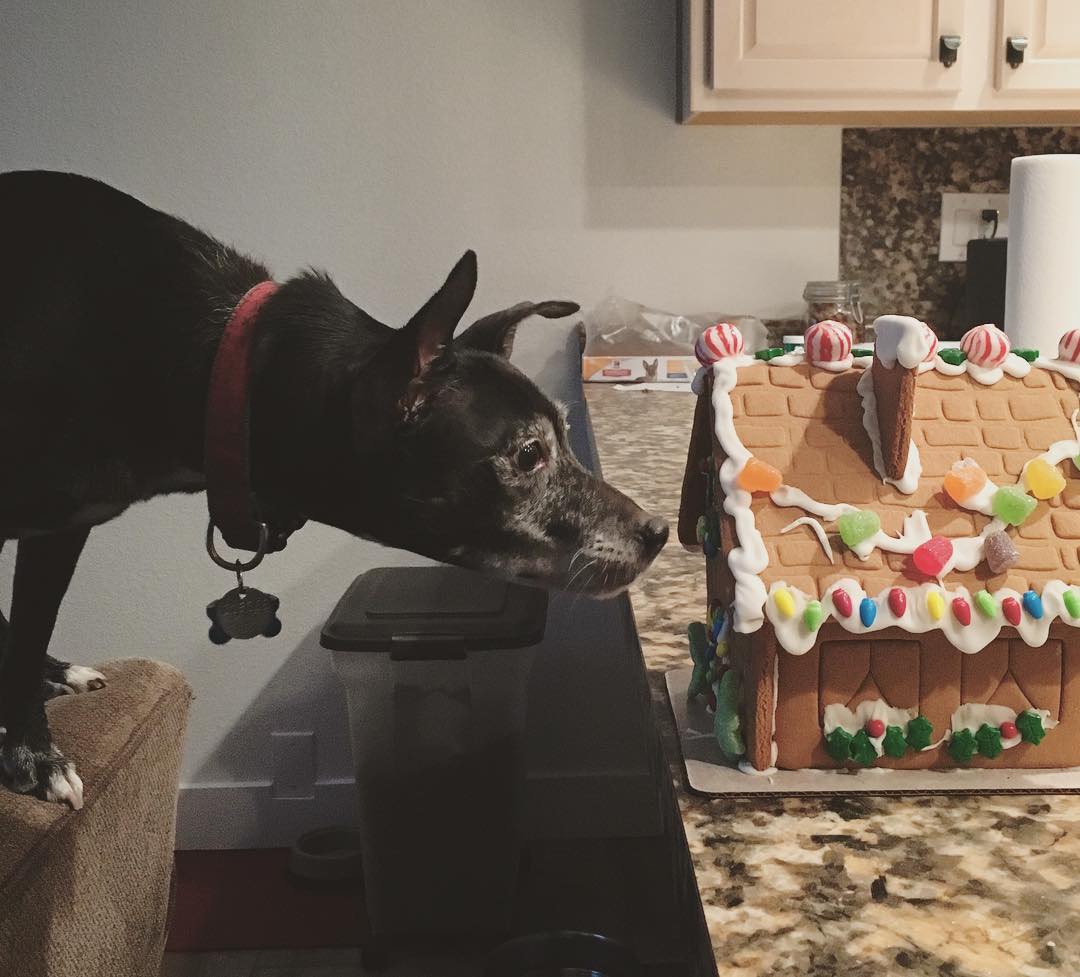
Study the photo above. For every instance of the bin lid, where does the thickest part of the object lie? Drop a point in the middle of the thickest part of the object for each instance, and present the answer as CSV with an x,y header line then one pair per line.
x,y
434,612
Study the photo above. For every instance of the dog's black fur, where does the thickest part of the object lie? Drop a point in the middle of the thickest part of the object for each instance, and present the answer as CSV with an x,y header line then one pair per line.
x,y
112,313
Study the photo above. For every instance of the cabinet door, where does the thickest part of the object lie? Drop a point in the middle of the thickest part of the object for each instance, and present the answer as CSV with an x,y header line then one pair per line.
x,y
1052,58
833,46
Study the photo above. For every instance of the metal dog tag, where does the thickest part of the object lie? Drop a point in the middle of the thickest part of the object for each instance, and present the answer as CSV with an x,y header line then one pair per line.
x,y
243,612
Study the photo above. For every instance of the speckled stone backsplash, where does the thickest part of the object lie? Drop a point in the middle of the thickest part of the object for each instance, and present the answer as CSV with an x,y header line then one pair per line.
x,y
890,207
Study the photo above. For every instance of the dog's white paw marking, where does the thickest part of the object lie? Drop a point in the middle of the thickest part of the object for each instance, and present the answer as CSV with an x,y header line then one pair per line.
x,y
65,787
79,678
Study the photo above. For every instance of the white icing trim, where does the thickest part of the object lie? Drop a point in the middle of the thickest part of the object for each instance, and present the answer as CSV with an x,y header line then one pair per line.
x,y
900,338
787,496
840,716
750,558
909,481
972,715
818,530
797,639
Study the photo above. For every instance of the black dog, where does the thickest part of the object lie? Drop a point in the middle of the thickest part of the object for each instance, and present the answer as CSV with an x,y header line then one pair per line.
x,y
112,315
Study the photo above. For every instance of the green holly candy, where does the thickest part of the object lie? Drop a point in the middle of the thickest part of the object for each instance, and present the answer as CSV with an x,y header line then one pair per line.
x,y
894,744
862,750
962,746
726,722
1012,505
988,740
838,744
857,527
952,356
1030,726
919,733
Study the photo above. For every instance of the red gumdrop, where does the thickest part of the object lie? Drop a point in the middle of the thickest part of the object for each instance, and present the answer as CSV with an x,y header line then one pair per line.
x,y
842,602
930,557
962,609
897,602
1008,730
875,728
1010,607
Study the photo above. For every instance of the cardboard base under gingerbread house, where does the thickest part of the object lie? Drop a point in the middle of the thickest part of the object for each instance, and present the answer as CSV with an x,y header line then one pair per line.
x,y
709,773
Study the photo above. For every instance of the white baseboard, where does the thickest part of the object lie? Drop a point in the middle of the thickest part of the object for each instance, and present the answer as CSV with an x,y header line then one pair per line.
x,y
610,804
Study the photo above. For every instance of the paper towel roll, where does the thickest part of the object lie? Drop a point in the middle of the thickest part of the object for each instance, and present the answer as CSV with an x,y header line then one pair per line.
x,y
1042,281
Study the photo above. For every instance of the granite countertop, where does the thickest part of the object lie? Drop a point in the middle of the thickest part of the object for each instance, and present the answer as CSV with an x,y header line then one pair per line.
x,y
845,886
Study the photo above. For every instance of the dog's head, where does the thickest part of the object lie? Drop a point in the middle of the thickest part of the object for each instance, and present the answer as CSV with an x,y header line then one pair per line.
x,y
479,470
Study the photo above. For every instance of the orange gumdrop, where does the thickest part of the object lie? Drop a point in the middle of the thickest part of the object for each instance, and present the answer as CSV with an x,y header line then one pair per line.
x,y
759,476
963,481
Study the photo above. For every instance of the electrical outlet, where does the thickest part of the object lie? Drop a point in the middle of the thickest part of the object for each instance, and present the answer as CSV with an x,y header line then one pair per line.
x,y
961,221
293,756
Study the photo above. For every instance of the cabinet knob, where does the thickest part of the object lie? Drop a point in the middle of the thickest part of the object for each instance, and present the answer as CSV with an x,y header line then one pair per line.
x,y
1014,50
948,45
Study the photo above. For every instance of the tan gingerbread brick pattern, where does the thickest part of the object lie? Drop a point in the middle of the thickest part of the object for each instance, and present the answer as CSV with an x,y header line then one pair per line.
x,y
809,423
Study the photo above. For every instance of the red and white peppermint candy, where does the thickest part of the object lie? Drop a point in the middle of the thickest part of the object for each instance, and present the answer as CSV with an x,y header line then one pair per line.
x,y
827,341
717,343
1069,347
985,345
932,340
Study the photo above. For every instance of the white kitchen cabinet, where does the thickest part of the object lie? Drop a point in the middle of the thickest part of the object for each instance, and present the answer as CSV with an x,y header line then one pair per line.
x,y
880,62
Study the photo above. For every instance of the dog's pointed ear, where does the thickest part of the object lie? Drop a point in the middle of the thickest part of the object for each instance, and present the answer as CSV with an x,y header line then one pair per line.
x,y
433,326
495,333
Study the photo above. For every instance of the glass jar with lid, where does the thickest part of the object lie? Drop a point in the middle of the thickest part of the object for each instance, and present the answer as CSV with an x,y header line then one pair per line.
x,y
838,301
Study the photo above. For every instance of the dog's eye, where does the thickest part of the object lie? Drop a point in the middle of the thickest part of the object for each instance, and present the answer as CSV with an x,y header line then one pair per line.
x,y
530,456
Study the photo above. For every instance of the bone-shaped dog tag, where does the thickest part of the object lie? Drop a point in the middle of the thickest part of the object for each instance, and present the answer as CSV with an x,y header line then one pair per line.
x,y
243,612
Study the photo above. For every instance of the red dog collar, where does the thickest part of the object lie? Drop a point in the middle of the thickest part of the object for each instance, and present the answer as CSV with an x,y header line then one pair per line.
x,y
227,460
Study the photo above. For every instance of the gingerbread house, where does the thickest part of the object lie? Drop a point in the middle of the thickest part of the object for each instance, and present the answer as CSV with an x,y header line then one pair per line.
x,y
891,542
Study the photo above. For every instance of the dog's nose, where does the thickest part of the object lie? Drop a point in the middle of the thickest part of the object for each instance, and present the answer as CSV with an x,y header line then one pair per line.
x,y
654,535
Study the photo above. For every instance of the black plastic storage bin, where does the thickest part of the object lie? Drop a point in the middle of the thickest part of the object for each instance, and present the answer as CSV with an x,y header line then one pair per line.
x,y
435,663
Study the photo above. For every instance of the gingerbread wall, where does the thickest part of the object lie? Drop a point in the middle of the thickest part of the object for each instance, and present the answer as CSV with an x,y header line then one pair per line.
x,y
926,673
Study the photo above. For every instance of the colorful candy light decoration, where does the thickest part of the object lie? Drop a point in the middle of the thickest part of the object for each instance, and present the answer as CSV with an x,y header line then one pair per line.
x,y
827,341
1069,346
986,345
718,343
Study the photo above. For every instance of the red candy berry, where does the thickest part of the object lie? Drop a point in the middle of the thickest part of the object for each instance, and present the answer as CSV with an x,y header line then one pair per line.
x,y
930,557
875,728
1010,607
842,602
962,610
897,602
1008,730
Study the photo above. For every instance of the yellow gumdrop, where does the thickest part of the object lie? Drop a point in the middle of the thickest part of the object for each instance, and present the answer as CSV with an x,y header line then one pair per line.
x,y
785,603
1042,479
935,604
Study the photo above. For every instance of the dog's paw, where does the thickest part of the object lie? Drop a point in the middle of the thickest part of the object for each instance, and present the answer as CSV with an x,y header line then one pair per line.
x,y
62,678
80,678
45,774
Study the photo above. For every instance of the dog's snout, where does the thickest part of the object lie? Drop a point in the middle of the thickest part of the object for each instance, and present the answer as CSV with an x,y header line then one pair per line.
x,y
653,534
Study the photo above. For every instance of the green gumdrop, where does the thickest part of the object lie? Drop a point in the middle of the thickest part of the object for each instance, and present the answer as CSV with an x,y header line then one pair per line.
x,y
862,750
855,527
988,739
962,746
919,733
726,725
894,743
838,744
1012,505
699,642
1031,727
813,615
1071,600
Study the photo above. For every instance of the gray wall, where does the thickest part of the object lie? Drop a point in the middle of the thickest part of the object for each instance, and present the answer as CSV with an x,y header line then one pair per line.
x,y
380,139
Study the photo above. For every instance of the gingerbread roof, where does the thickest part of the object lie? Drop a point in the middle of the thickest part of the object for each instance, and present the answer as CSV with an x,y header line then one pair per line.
x,y
808,423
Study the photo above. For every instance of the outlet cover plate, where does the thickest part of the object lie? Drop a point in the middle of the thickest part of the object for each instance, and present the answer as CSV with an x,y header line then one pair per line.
x,y
960,221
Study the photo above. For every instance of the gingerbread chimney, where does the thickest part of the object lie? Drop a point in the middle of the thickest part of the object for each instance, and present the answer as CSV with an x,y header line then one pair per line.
x,y
901,344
